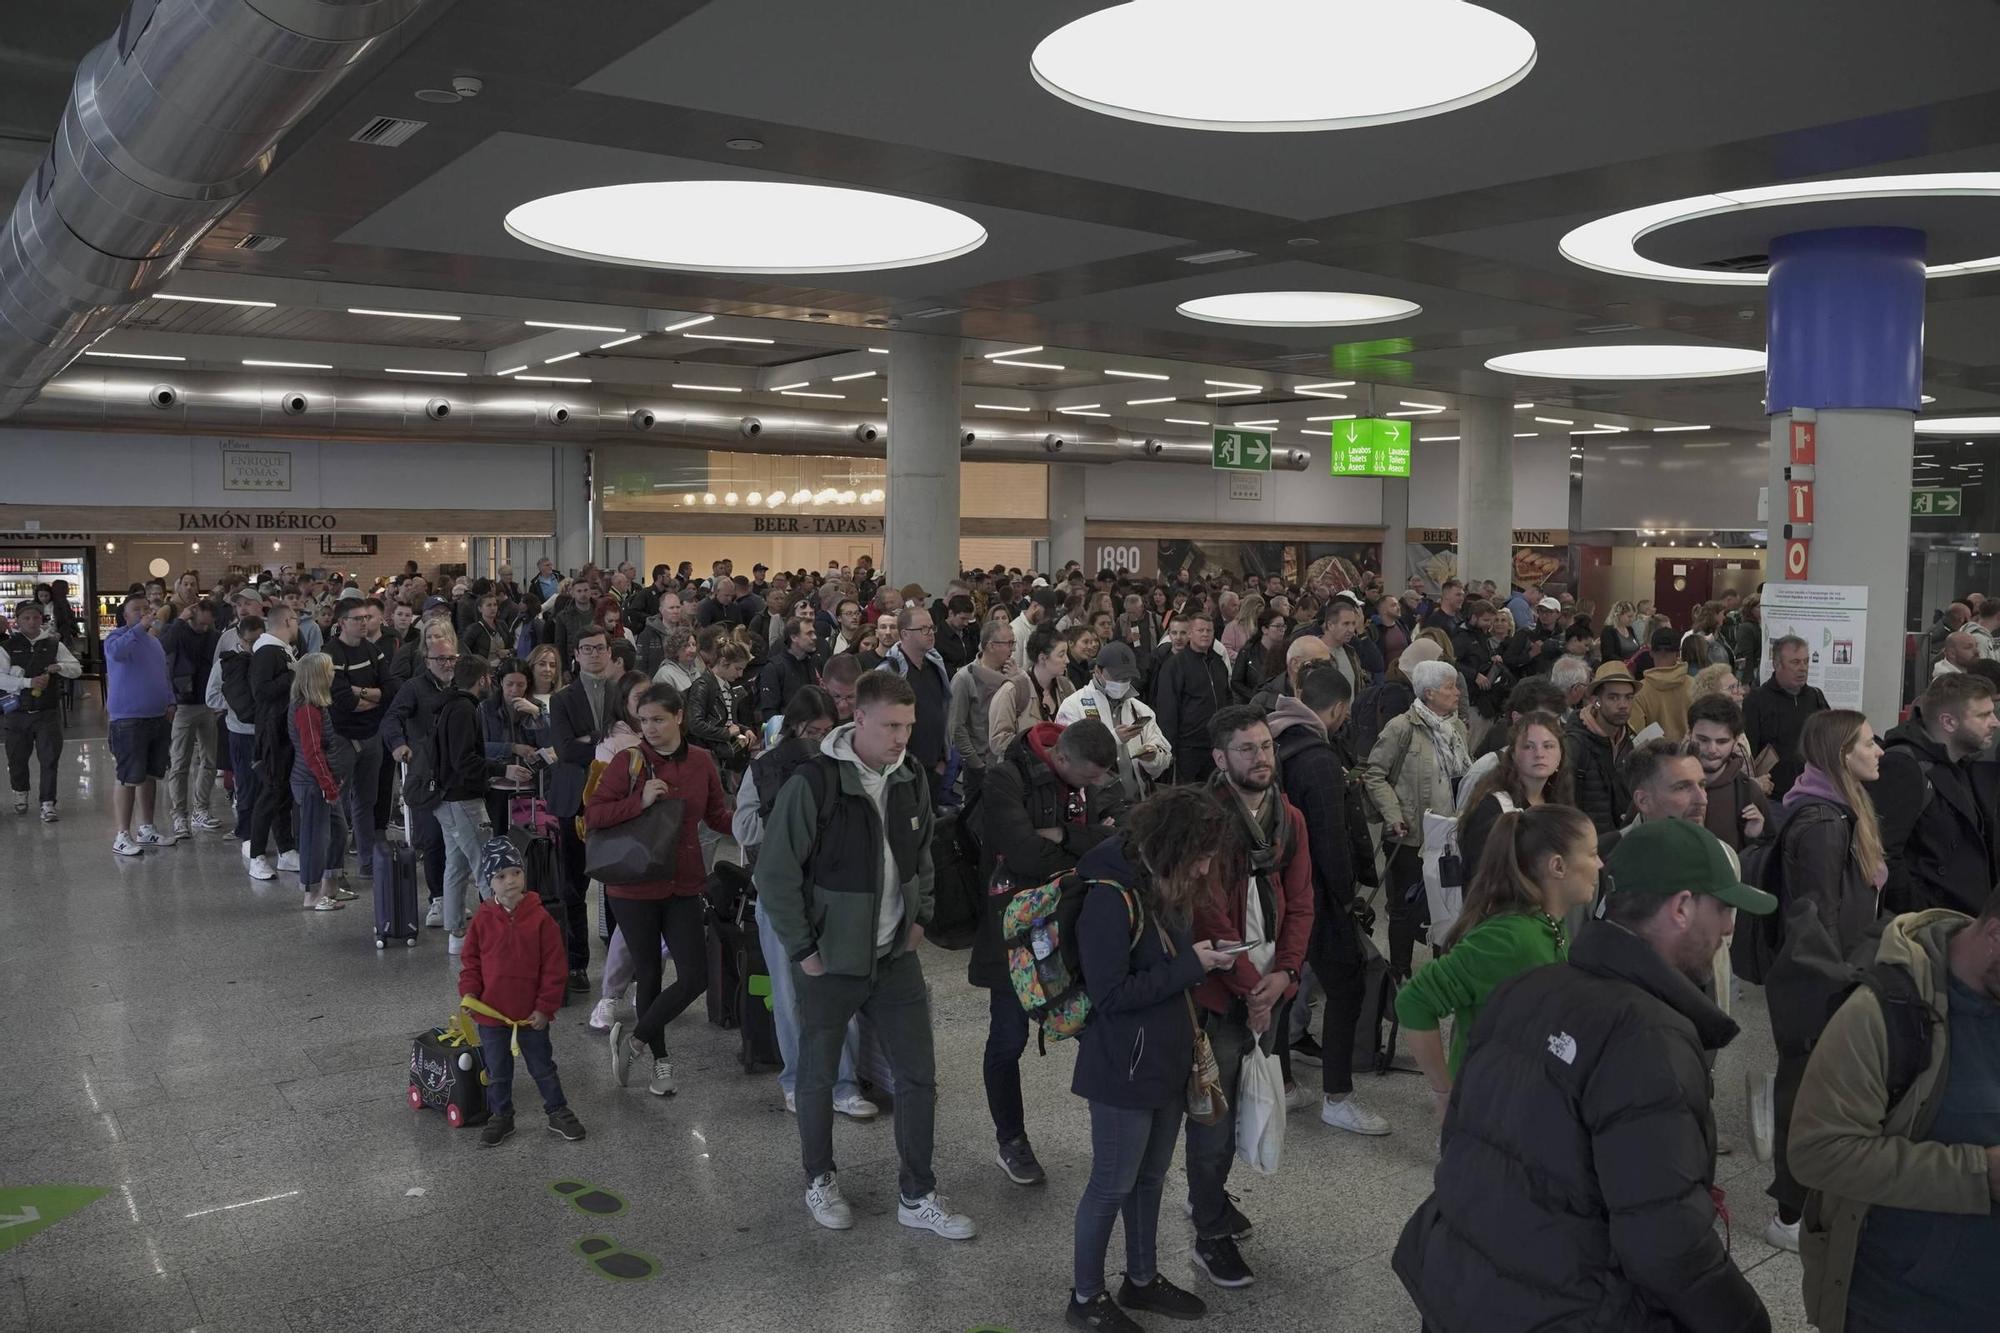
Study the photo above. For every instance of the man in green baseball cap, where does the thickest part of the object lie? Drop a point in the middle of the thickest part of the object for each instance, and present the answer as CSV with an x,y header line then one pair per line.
x,y
1666,860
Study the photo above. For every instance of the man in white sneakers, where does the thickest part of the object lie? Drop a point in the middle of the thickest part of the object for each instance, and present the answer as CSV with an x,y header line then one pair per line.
x,y
139,698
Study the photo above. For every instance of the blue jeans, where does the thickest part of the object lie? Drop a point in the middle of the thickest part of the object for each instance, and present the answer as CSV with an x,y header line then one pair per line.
x,y
785,1012
322,848
1006,1041
1211,1148
243,762
536,1052
459,822
1130,1152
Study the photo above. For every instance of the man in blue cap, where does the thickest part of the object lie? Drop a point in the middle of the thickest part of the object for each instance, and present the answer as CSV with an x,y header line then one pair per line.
x,y
1576,1180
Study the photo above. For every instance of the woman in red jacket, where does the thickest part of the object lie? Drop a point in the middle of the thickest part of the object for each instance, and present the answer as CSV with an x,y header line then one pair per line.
x,y
663,764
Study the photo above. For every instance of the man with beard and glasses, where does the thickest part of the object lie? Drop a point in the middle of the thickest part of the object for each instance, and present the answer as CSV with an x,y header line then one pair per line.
x,y
1574,1186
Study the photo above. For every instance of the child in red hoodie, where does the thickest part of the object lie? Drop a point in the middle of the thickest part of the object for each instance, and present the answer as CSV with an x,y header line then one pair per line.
x,y
513,962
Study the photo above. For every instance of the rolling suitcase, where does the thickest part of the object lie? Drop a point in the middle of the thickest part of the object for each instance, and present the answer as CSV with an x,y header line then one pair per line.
x,y
728,886
448,1073
756,1022
395,883
532,830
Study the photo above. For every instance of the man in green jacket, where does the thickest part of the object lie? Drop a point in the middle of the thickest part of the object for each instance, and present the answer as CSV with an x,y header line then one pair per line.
x,y
844,877
1900,1230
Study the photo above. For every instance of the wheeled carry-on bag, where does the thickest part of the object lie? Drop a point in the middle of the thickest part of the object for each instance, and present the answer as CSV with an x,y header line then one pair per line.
x,y
396,914
448,1073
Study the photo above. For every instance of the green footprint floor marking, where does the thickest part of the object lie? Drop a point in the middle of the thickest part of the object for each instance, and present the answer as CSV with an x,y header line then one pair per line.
x,y
607,1259
590,1200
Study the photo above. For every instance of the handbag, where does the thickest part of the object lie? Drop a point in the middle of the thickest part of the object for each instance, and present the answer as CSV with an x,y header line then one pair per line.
x,y
644,847
1206,1102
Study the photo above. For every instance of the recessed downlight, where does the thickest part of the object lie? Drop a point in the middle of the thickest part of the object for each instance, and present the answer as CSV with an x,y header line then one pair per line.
x,y
1298,310
1189,64
744,227
1631,361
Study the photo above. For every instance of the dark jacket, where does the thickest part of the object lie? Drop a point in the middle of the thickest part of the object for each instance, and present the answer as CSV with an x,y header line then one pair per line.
x,y
1315,782
784,675
1137,1048
271,687
1532,651
501,728
1937,820
1775,718
1728,792
710,709
956,646
1601,791
365,666
463,769
1191,689
491,643
1829,910
410,716
1023,794
574,734
190,655
1573,1188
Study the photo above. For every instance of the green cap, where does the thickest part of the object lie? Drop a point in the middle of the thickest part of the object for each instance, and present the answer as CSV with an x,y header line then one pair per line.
x,y
1674,856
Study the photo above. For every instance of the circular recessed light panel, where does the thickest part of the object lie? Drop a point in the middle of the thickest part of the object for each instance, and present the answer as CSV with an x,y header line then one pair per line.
x,y
1610,245
1298,310
717,226
1632,361
1263,65
1958,426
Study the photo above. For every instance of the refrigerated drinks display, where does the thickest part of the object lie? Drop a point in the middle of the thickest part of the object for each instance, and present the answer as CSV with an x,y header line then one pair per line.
x,y
23,567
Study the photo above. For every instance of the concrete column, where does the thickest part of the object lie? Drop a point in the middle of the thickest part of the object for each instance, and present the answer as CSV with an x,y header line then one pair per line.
x,y
1396,537
1486,490
1066,485
920,542
577,508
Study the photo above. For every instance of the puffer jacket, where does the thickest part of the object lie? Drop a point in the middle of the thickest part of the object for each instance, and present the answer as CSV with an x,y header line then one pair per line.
x,y
1404,780
1938,823
1663,697
1601,791
1577,1159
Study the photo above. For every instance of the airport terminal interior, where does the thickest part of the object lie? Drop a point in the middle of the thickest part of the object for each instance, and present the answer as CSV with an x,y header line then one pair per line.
x,y
1419,382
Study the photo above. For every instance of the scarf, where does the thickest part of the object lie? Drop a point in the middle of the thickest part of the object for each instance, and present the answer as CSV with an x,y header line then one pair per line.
x,y
1446,740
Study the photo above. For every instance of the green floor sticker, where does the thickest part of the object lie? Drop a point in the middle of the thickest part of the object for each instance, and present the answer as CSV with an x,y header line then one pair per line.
x,y
31,1208
589,1199
608,1259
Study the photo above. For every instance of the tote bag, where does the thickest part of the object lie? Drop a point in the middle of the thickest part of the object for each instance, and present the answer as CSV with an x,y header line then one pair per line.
x,y
643,848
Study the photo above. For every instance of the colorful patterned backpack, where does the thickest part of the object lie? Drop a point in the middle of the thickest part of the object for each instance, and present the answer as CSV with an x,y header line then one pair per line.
x,y
1038,929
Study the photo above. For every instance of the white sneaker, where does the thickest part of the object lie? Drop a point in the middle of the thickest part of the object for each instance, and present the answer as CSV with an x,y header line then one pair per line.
x,y
930,1214
207,823
1352,1116
260,868
246,849
49,815
288,860
622,1054
1298,1097
854,1106
180,827
152,837
454,943
663,1077
124,845
435,917
601,1015
1783,1235
828,1208
792,1102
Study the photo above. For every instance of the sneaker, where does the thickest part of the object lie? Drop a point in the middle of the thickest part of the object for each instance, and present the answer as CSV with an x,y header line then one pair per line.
x,y
1236,1225
622,1054
1782,1235
49,815
435,917
20,803
579,982
246,849
1161,1297
498,1128
1298,1098
152,837
454,943
342,892
828,1208
206,823
260,868
601,1015
930,1214
1100,1312
1306,1051
288,860
563,1121
856,1107
792,1102
124,846
663,1077
1017,1159
180,827
1221,1263
1352,1116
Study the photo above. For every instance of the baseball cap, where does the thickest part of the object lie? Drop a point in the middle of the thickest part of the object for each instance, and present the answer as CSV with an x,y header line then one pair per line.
x,y
759,568
1117,662
1548,604
1611,673
1675,856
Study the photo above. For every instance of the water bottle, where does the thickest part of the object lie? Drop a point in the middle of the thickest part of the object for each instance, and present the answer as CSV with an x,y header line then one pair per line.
x,y
1038,940
1002,885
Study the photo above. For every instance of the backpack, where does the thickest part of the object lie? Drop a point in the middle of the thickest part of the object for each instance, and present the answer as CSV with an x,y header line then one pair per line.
x,y
236,686
1373,710
1757,939
423,774
1907,1023
1044,961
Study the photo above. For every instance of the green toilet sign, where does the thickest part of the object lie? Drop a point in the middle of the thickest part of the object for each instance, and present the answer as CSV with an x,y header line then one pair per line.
x,y
1370,447
1937,502
1241,450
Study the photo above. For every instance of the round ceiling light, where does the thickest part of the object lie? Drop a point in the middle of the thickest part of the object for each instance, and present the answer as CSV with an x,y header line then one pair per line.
x,y
1631,361
1958,426
1298,310
716,226
1189,64
1610,245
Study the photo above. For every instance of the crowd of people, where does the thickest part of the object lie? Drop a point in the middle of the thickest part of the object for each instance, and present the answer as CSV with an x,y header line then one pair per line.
x,y
1225,776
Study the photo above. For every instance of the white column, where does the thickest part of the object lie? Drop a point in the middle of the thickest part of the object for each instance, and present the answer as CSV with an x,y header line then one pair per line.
x,y
920,541
576,510
1396,534
1486,491
1066,487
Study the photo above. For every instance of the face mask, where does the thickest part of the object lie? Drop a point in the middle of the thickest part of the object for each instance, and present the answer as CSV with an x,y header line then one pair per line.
x,y
1117,689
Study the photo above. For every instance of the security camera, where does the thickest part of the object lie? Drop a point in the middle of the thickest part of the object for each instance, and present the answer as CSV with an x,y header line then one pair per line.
x,y
164,395
437,409
966,440
752,427
293,404
643,419
1154,448
1053,443
867,434
558,414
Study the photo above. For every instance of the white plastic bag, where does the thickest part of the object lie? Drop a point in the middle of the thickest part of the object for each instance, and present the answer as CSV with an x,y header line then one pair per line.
x,y
1260,1111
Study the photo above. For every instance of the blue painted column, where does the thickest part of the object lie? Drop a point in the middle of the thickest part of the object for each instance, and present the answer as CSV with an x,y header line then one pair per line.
x,y
1845,338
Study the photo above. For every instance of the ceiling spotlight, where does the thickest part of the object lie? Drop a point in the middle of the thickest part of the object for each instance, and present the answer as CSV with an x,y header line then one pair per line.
x,y
801,495
743,145
754,498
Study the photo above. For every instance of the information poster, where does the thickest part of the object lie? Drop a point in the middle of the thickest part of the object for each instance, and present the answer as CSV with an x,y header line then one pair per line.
x,y
1833,620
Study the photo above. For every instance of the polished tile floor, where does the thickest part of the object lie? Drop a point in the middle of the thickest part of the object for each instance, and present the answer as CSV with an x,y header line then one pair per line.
x,y
232,1071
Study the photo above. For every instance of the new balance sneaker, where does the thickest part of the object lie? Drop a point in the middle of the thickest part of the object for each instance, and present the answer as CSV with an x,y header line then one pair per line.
x,y
498,1128
622,1053
1100,1312
435,917
1783,1235
1017,1158
1220,1262
152,837
1350,1115
180,827
49,815
563,1121
828,1208
930,1214
260,868
288,860
1161,1297
124,845
856,1107
663,1077
206,823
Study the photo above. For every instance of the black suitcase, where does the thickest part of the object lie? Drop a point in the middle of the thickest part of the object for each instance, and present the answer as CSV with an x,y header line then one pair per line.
x,y
955,883
756,1021
447,1076
540,859
728,888
396,914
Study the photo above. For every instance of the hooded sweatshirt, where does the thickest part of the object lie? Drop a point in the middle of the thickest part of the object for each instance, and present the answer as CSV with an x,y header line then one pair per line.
x,y
1663,697
1729,791
839,744
972,691
1814,785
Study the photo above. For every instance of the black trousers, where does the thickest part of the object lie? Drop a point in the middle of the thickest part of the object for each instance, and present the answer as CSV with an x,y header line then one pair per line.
x,y
1334,955
1409,909
40,733
679,922
575,907
271,817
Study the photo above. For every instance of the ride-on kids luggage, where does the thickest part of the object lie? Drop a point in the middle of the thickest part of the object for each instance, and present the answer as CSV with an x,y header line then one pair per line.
x,y
447,1073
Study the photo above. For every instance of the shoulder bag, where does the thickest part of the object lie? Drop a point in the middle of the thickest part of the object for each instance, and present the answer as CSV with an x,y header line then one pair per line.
x,y
645,847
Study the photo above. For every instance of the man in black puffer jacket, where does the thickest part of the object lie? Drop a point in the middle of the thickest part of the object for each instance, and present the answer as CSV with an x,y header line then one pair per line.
x,y
1573,1192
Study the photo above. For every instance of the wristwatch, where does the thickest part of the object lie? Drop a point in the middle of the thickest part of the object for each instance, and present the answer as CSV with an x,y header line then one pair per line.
x,y
1293,973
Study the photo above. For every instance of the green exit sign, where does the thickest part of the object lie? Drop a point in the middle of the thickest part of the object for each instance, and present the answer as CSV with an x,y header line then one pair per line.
x,y
1241,450
1370,447
1937,502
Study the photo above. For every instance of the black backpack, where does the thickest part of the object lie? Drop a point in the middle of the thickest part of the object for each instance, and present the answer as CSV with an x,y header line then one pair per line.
x,y
423,774
1907,1023
236,685
1757,939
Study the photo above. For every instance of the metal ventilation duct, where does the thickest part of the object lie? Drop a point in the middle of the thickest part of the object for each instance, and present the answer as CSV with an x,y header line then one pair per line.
x,y
350,409
172,121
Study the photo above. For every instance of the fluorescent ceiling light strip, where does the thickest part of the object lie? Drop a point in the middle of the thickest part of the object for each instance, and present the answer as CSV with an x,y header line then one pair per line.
x,y
1186,421
1668,430
448,374
1088,414
1528,435
729,338
580,328
1232,393
1230,384
620,342
1317,393
1435,407
999,407
801,393
566,356
1605,425
214,300
1147,402
138,356
1416,412
1330,384
554,379
512,370
857,375
1081,407
401,314
1255,425
709,388
780,388
291,365
1555,421
1135,374
688,323
1435,439
1018,351
879,351
1612,431
1032,365
1309,431
1522,407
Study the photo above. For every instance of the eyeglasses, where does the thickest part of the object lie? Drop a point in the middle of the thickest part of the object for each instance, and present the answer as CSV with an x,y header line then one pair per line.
x,y
592,648
1252,751
921,629
445,661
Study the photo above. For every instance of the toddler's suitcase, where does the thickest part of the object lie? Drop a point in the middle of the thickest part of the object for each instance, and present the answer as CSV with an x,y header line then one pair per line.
x,y
449,1075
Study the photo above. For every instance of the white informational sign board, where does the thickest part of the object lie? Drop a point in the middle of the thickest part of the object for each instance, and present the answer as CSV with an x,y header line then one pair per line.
x,y
1833,620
